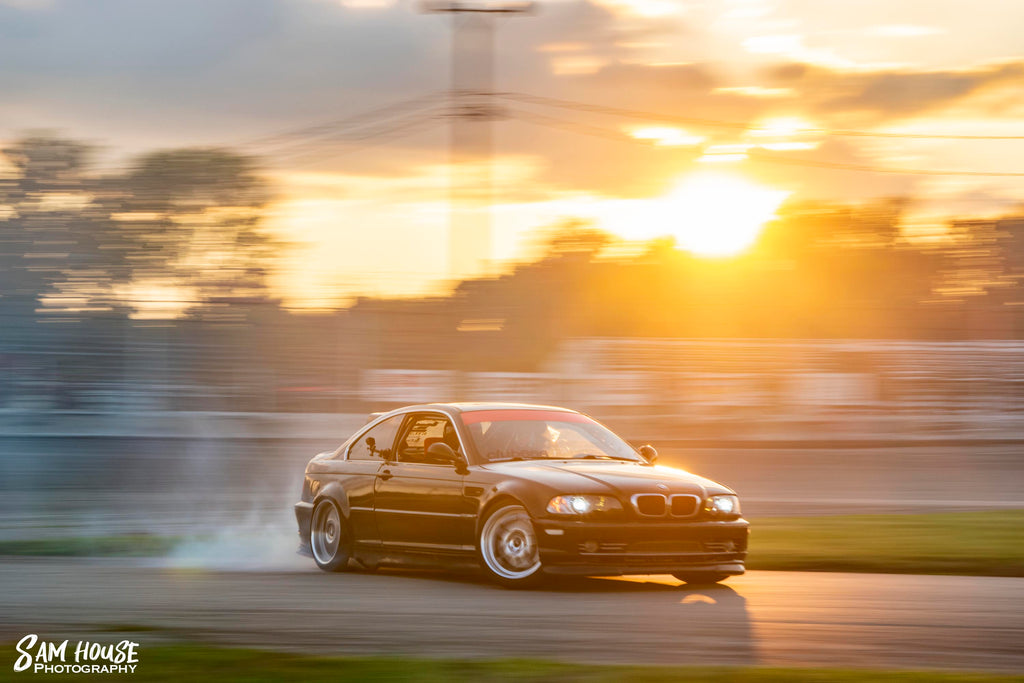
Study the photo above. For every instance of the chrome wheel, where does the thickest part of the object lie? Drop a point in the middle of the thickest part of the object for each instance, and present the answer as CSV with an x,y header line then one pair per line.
x,y
508,544
328,537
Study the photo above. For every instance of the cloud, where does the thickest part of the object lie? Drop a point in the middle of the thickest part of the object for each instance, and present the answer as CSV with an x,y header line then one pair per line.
x,y
904,31
793,46
153,73
647,9
28,4
667,79
193,70
885,94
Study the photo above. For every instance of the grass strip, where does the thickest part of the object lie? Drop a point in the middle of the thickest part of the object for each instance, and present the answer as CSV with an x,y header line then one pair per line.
x,y
226,665
987,543
140,545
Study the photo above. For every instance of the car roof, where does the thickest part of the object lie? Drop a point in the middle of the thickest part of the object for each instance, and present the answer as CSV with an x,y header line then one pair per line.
x,y
467,407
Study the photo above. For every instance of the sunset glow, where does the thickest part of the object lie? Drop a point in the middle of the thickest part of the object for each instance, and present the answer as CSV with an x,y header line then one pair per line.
x,y
781,126
666,136
719,214
600,108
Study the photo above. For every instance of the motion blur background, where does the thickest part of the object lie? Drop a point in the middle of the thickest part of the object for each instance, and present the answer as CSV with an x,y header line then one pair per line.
x,y
781,241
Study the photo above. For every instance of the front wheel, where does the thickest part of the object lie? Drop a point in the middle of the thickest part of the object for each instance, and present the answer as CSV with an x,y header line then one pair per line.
x,y
329,538
508,547
701,578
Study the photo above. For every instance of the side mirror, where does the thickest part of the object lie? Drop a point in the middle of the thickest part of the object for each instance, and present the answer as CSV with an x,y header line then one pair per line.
x,y
443,453
649,452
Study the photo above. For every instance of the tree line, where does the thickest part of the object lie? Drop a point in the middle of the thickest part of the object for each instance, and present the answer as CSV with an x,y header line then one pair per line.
x,y
75,238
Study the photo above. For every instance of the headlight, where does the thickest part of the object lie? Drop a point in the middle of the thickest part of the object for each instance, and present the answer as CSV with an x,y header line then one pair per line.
x,y
581,504
722,506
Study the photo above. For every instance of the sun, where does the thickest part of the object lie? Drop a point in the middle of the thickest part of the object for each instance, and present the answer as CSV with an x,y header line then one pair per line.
x,y
718,214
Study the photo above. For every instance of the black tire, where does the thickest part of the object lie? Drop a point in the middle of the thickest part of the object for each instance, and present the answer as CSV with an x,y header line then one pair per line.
x,y
329,538
508,549
701,578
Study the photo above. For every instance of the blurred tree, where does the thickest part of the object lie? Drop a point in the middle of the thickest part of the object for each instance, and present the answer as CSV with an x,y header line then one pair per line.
x,y
179,224
574,236
805,226
190,221
51,232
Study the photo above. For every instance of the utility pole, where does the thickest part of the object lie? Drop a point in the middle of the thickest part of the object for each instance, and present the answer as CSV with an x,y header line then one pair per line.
x,y
472,110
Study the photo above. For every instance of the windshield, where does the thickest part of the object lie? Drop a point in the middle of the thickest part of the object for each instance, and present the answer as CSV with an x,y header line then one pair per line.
x,y
542,434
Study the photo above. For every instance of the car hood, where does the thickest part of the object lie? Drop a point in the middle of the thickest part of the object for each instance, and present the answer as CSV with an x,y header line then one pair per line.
x,y
607,476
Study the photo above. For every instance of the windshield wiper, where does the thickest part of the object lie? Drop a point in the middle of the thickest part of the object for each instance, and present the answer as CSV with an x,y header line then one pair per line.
x,y
529,457
596,456
585,456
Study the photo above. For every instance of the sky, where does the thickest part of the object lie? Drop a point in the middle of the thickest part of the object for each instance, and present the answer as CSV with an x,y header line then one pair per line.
x,y
365,200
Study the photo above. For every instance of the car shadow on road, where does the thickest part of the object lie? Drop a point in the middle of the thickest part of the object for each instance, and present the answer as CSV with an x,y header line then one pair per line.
x,y
679,623
552,584
636,584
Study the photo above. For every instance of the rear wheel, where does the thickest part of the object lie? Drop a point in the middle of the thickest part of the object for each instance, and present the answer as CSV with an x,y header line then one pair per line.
x,y
329,538
508,547
701,578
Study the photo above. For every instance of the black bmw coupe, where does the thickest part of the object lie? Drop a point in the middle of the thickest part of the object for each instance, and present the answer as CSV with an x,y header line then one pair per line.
x,y
520,490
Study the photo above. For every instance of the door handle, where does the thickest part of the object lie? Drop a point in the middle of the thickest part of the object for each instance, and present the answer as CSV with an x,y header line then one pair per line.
x,y
386,474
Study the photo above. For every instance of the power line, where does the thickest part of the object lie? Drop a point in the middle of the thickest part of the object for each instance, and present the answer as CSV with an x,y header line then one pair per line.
x,y
365,118
403,118
573,126
359,134
757,156
714,123
403,130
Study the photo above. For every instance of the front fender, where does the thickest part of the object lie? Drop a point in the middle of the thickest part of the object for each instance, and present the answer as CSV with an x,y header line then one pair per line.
x,y
527,493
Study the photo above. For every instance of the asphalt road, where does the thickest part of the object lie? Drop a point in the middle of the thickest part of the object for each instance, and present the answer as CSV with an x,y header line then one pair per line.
x,y
763,618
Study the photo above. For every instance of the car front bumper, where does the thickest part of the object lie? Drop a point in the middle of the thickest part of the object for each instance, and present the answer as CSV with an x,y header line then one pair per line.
x,y
577,547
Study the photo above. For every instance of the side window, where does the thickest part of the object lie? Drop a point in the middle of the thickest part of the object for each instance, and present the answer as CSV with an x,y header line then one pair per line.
x,y
381,437
423,431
